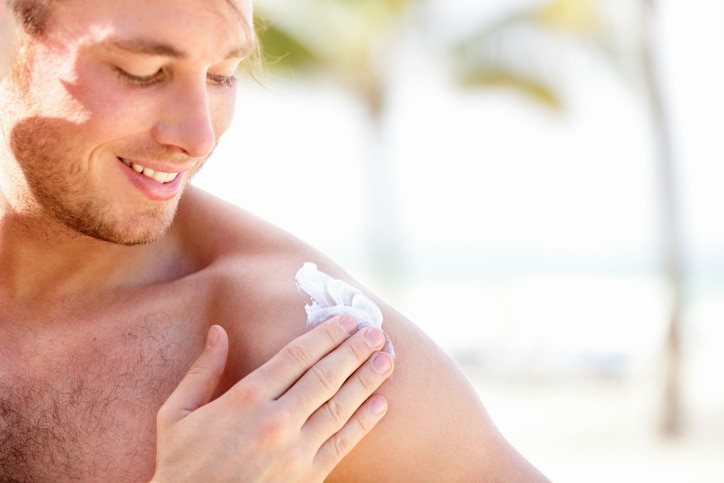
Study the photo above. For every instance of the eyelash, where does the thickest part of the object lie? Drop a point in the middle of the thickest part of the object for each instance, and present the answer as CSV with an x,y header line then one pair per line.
x,y
158,77
140,81
223,80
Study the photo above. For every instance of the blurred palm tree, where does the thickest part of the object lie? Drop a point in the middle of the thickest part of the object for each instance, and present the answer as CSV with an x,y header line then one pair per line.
x,y
345,39
521,51
671,237
518,50
350,40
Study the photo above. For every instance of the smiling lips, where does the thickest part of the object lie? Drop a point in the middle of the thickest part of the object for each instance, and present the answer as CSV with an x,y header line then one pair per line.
x,y
158,176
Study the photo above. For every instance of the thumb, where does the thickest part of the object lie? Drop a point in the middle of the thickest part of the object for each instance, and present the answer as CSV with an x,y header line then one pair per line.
x,y
201,380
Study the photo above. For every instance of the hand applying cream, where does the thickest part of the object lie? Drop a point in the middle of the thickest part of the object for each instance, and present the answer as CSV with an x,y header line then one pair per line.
x,y
331,297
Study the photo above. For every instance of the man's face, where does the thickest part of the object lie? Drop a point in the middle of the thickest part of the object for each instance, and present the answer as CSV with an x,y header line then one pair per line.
x,y
118,104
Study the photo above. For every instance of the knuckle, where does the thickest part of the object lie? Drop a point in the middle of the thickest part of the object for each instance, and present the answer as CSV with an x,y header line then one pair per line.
x,y
274,428
299,353
336,412
364,425
341,445
330,330
330,333
249,392
369,385
325,377
368,380
360,350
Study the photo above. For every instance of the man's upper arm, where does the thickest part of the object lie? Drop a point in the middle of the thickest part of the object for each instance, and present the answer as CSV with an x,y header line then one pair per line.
x,y
436,429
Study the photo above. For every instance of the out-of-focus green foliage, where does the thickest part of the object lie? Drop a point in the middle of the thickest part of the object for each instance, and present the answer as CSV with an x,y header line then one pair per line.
x,y
519,51
492,77
280,48
335,34
349,38
577,17
341,38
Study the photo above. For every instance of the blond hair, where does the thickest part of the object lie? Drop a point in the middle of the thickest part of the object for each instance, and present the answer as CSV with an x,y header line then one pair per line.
x,y
33,15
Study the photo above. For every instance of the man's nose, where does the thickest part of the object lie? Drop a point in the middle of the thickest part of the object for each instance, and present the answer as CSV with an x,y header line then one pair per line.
x,y
185,122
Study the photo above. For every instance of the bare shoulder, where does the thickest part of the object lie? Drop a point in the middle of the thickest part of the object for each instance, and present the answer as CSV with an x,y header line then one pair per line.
x,y
436,428
251,265
219,229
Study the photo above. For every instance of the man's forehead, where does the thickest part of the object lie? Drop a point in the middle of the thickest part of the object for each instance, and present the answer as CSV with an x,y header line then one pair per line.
x,y
243,8
141,27
34,14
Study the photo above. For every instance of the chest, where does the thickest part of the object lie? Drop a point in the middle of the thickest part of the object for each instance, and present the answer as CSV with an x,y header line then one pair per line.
x,y
79,406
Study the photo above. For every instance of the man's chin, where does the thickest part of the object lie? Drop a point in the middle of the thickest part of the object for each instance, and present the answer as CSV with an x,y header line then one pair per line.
x,y
127,237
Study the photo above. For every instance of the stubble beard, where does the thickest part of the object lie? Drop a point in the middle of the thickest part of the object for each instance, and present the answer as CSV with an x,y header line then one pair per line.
x,y
69,202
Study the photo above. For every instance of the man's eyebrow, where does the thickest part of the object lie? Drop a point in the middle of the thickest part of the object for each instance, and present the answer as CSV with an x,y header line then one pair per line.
x,y
154,48
145,47
240,53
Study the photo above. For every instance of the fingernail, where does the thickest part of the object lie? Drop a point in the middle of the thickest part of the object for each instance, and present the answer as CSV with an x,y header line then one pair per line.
x,y
374,338
348,324
378,405
381,363
213,337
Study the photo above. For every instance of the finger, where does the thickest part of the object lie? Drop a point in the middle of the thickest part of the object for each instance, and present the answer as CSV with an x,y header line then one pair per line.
x,y
359,426
322,381
201,380
286,367
336,413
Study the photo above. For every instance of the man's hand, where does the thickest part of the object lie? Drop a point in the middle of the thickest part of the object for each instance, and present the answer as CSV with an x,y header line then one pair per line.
x,y
293,419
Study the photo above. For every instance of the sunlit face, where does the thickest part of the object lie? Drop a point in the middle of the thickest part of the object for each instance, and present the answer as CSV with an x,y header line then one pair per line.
x,y
120,103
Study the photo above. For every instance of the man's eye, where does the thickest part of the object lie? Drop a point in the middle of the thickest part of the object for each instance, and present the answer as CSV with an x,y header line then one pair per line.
x,y
141,80
223,80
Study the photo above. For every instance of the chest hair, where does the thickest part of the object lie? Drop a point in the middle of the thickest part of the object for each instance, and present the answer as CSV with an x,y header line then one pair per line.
x,y
88,413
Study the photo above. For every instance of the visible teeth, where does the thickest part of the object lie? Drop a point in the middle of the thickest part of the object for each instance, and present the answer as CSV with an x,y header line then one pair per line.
x,y
158,176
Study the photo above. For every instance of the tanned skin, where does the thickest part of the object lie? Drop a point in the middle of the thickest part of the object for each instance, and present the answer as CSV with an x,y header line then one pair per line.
x,y
150,331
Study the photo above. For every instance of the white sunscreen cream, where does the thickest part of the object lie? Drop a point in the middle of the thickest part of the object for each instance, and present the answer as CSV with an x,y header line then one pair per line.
x,y
331,297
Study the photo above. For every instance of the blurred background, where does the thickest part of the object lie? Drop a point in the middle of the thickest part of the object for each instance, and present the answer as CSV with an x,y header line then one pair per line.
x,y
536,183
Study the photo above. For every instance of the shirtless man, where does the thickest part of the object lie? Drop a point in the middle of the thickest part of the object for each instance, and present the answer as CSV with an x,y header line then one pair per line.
x,y
145,336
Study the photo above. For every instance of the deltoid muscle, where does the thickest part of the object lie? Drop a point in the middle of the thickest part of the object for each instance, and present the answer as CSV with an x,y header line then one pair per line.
x,y
331,297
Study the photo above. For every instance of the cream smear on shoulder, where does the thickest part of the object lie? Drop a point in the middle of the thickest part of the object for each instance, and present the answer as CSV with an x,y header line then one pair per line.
x,y
332,297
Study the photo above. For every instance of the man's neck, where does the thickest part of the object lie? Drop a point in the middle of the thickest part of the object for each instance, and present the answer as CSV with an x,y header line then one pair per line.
x,y
38,263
